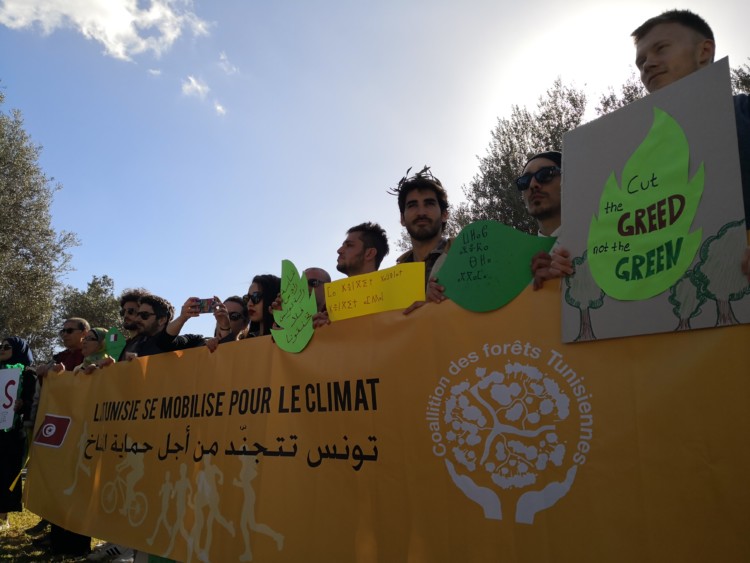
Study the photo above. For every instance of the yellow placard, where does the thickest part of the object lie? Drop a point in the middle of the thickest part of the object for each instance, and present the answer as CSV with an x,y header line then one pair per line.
x,y
385,290
443,435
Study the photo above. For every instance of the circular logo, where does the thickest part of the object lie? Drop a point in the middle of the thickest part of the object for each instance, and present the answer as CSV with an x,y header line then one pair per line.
x,y
48,430
512,425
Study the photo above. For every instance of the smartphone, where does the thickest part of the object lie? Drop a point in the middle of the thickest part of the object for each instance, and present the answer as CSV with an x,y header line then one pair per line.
x,y
206,305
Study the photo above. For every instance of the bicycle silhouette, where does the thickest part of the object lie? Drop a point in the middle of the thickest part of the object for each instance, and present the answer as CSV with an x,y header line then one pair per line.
x,y
114,490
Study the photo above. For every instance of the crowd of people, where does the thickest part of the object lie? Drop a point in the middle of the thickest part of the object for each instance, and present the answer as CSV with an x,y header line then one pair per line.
x,y
668,47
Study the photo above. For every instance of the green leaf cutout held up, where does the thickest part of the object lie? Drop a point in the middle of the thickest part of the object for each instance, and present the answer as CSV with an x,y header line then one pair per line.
x,y
640,244
298,308
489,264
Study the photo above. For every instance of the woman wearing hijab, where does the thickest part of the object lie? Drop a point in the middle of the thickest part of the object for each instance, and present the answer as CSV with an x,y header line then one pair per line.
x,y
15,352
93,349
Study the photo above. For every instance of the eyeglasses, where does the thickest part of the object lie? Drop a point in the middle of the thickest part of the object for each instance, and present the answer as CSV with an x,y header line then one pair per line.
x,y
91,339
129,311
145,315
315,283
256,297
235,316
5,347
543,175
69,330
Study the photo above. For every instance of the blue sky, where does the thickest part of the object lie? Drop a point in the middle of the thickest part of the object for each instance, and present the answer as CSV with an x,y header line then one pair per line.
x,y
200,143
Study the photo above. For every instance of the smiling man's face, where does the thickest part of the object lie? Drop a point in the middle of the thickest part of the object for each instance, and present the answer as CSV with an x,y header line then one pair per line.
x,y
670,51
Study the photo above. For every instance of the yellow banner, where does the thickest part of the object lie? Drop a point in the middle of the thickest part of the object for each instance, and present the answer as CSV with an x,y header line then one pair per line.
x,y
385,290
443,435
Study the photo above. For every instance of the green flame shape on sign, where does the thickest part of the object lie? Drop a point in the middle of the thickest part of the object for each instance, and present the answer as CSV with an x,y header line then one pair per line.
x,y
640,244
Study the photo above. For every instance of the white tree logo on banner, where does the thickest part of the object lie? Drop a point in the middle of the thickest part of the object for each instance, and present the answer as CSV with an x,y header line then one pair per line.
x,y
505,434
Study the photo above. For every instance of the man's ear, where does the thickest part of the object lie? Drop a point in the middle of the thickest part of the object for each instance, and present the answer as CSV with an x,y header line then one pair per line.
x,y
402,220
706,51
444,216
371,253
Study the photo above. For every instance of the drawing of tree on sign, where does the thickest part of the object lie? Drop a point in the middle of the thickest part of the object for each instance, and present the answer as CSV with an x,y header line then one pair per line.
x,y
503,433
584,294
718,275
687,300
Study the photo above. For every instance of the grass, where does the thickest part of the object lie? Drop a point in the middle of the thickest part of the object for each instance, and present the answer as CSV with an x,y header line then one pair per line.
x,y
17,547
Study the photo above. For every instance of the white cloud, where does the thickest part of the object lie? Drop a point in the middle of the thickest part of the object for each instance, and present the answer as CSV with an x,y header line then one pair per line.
x,y
121,26
225,65
220,110
195,87
154,72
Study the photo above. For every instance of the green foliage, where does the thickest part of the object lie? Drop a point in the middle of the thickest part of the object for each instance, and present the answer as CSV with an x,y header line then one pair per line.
x,y
492,193
631,90
97,304
717,276
33,256
686,299
581,290
741,79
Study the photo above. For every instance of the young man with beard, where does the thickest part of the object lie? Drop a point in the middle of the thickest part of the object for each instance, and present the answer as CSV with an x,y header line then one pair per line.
x,y
675,44
155,334
423,203
129,313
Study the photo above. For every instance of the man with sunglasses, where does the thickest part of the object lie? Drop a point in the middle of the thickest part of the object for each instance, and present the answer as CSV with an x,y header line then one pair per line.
x,y
316,280
540,185
154,315
675,44
72,333
129,313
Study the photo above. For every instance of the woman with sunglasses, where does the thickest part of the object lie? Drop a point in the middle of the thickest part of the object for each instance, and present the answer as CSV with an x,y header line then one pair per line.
x,y
260,295
94,350
231,319
15,351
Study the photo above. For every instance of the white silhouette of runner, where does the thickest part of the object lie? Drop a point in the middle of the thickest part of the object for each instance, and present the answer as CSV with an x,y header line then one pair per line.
x,y
183,492
207,495
82,443
166,492
247,519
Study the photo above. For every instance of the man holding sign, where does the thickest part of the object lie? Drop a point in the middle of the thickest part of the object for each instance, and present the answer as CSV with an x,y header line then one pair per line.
x,y
541,189
675,44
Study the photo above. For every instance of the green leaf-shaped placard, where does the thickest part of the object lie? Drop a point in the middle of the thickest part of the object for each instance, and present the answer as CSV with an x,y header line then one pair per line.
x,y
298,308
115,343
640,244
489,264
